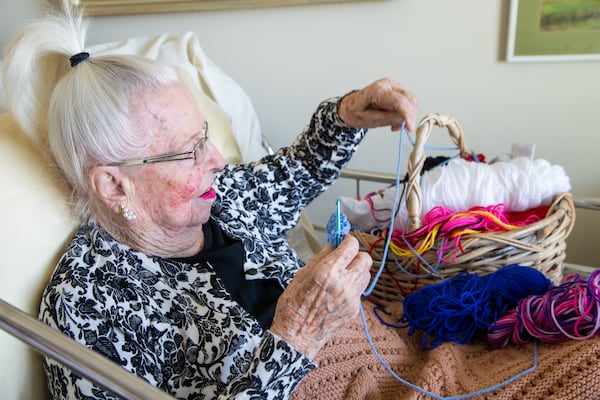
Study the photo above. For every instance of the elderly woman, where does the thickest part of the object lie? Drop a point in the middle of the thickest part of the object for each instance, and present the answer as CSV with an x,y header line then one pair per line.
x,y
180,271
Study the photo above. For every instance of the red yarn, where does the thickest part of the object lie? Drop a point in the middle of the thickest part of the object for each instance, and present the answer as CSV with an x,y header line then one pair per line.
x,y
442,228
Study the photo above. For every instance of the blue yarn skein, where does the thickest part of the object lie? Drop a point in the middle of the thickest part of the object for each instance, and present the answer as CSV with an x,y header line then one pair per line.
x,y
336,233
467,304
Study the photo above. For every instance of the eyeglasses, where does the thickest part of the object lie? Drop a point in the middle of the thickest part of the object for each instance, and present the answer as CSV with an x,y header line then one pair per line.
x,y
196,154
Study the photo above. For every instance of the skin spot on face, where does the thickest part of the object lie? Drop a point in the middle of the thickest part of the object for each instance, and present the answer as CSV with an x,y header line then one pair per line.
x,y
190,189
181,191
176,195
175,202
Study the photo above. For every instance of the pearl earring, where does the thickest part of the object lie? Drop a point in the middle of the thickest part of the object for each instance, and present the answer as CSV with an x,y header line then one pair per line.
x,y
127,214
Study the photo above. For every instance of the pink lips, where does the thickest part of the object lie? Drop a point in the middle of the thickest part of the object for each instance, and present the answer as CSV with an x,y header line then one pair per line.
x,y
211,194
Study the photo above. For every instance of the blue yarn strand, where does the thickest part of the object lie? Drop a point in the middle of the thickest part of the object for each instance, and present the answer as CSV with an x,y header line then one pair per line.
x,y
403,132
433,395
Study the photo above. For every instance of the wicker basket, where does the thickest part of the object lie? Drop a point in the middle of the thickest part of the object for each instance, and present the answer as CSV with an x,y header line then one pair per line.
x,y
541,245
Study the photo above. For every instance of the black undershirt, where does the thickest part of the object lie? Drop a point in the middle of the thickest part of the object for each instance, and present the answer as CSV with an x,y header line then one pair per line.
x,y
226,255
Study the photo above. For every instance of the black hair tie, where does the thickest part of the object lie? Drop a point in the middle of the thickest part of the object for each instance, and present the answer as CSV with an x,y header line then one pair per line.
x,y
79,57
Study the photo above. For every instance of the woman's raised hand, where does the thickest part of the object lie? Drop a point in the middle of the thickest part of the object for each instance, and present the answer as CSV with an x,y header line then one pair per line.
x,y
382,103
324,295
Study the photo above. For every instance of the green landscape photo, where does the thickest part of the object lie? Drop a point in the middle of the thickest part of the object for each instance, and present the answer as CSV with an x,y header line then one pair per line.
x,y
555,28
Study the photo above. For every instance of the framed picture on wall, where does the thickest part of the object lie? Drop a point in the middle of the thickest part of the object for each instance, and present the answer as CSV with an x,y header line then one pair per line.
x,y
554,30
119,7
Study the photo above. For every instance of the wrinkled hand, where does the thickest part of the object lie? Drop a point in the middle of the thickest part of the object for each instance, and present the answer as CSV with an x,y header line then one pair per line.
x,y
323,295
382,103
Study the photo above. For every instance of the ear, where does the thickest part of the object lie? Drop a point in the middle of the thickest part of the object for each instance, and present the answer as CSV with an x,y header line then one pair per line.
x,y
110,185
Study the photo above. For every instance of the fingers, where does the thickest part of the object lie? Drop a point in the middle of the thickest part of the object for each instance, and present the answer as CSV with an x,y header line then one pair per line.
x,y
350,266
382,103
346,251
335,258
345,257
342,269
395,103
323,296
407,107
359,273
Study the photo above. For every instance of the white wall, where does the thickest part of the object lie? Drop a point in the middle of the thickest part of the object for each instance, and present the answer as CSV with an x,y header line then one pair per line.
x,y
450,53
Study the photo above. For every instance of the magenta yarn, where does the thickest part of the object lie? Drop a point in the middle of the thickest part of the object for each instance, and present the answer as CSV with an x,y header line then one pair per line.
x,y
570,311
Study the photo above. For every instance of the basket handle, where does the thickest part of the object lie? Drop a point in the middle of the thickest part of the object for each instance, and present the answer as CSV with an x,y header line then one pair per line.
x,y
414,203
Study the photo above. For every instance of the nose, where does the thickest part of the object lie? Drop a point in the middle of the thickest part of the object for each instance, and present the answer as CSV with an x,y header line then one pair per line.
x,y
212,157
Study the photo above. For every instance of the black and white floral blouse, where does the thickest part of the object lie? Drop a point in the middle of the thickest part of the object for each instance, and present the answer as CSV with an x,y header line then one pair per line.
x,y
174,324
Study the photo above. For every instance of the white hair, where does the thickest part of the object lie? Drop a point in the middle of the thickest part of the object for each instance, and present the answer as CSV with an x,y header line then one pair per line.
x,y
80,113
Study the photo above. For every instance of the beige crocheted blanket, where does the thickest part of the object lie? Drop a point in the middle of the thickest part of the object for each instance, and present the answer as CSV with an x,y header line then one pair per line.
x,y
348,369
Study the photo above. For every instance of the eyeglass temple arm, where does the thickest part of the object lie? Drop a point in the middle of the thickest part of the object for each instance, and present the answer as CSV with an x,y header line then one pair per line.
x,y
81,360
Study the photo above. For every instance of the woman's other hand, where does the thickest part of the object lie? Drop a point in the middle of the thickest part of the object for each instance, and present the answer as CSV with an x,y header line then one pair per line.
x,y
324,295
382,103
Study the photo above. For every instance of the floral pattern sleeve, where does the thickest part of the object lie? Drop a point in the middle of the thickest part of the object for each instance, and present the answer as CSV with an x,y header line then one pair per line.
x,y
276,188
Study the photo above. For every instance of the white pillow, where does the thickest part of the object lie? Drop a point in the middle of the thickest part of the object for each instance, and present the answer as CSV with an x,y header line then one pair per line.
x,y
182,53
36,225
3,105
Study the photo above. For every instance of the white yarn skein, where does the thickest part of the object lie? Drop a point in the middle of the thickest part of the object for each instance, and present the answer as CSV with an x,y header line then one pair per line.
x,y
520,183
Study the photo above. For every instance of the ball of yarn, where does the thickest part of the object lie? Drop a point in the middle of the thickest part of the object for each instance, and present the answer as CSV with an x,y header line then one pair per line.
x,y
570,311
467,304
335,234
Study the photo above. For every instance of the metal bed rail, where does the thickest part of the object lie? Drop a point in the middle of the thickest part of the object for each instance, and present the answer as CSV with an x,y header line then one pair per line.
x,y
368,176
81,360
